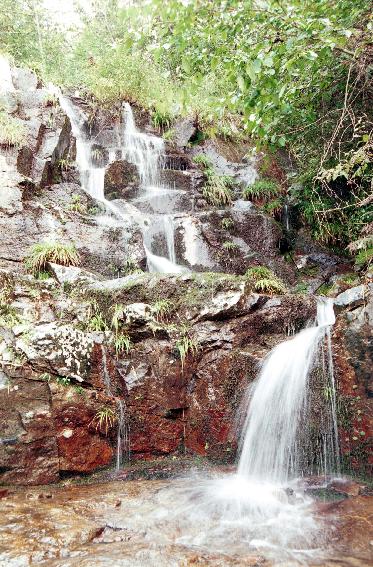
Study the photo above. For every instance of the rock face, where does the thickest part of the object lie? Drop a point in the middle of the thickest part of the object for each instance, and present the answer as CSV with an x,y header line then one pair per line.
x,y
354,362
61,374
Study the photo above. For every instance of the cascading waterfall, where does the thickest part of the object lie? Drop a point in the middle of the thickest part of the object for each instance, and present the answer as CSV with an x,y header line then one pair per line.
x,y
144,151
147,153
263,506
278,400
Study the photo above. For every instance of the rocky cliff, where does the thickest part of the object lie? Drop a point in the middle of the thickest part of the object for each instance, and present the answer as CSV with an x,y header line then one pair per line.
x,y
168,358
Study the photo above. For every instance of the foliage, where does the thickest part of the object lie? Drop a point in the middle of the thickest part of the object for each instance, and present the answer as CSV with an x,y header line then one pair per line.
x,y
76,205
122,343
118,313
186,345
130,267
12,130
263,280
97,323
104,420
261,189
161,119
229,245
227,223
40,254
162,308
203,160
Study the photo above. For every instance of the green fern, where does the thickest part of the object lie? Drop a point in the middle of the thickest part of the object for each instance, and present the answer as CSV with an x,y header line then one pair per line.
x,y
186,345
40,254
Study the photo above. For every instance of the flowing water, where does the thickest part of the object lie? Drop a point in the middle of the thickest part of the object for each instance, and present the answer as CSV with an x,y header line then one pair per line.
x,y
263,507
147,153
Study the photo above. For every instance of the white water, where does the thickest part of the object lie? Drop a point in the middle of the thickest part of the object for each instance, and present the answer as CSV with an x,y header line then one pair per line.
x,y
278,400
263,508
144,151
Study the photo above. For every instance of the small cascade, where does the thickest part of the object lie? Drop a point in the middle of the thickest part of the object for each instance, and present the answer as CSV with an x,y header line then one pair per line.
x,y
278,404
147,153
123,435
92,178
123,432
143,150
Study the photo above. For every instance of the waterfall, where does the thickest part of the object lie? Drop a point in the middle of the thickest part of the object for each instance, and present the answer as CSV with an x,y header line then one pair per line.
x,y
123,435
147,153
277,405
144,151
92,178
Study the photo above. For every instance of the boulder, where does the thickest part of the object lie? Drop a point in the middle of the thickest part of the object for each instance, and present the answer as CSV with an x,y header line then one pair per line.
x,y
121,179
353,297
72,275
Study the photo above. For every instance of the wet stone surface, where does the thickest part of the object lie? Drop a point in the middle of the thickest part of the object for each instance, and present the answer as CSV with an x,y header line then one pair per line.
x,y
137,523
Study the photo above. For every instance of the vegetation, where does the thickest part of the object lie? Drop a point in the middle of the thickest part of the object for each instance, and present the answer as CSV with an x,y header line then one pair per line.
x,y
40,254
12,130
185,345
162,308
227,223
263,280
294,74
122,343
262,189
104,420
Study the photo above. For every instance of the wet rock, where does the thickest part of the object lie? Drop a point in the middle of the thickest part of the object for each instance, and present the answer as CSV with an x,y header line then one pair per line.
x,y
184,129
223,304
121,180
347,487
352,297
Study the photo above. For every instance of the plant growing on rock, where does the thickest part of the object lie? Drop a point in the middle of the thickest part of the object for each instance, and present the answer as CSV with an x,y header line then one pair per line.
x,y
186,345
161,119
118,313
262,189
97,323
76,205
227,223
162,308
229,245
218,188
263,280
122,343
40,254
104,420
203,160
12,130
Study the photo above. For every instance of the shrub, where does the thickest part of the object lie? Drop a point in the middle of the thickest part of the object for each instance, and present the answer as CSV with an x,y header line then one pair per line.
x,y
263,280
40,254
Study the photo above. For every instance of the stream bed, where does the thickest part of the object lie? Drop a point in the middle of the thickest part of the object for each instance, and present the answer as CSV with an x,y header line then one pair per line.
x,y
163,523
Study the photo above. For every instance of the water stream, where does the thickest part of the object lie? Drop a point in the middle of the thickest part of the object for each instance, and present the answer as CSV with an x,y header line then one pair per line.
x,y
147,153
263,507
